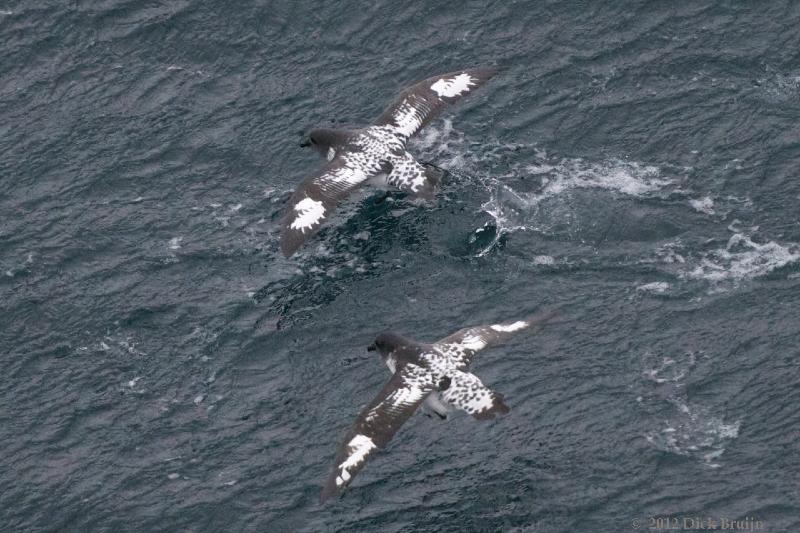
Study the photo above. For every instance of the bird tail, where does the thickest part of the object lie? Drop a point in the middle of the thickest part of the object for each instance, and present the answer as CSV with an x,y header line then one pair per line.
x,y
433,177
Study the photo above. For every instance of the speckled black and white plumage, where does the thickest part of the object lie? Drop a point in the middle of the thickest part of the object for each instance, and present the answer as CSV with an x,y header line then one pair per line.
x,y
374,155
436,375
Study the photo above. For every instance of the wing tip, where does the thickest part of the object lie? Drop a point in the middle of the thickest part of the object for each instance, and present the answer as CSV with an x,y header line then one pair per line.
x,y
486,72
327,492
543,317
288,246
502,407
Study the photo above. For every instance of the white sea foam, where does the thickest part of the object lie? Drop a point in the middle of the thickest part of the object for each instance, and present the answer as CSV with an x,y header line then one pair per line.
x,y
498,168
670,252
779,87
514,210
671,370
548,206
544,260
689,429
11,272
120,341
656,287
694,432
703,205
630,178
741,259
443,144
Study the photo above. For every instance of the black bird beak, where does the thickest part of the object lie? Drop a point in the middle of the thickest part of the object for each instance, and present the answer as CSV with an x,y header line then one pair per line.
x,y
371,348
305,143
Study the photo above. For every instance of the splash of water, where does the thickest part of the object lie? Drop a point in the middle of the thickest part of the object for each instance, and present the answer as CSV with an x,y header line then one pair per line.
x,y
690,429
742,259
513,209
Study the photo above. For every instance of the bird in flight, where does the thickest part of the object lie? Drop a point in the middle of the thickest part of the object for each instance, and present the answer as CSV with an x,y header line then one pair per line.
x,y
375,155
436,375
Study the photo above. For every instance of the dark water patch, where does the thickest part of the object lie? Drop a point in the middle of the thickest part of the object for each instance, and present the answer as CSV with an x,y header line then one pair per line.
x,y
168,370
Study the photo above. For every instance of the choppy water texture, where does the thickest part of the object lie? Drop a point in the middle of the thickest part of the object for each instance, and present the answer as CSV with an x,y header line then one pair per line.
x,y
165,369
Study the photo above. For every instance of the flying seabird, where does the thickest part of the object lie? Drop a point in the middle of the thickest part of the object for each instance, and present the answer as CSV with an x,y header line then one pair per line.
x,y
436,375
374,155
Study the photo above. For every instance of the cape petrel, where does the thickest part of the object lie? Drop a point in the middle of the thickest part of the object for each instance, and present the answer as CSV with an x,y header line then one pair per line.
x,y
374,155
436,375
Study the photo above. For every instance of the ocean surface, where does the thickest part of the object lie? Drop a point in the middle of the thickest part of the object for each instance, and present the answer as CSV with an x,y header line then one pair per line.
x,y
164,368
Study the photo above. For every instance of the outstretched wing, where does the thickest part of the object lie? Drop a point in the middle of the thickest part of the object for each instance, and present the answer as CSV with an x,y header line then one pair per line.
x,y
377,424
315,199
462,345
467,392
420,103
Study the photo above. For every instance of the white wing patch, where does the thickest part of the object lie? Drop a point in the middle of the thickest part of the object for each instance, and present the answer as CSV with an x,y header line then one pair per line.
x,y
331,154
342,180
508,328
407,395
472,342
454,87
407,118
351,174
358,449
309,212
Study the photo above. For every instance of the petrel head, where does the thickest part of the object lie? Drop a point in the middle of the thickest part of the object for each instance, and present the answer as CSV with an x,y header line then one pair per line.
x,y
386,343
325,141
307,140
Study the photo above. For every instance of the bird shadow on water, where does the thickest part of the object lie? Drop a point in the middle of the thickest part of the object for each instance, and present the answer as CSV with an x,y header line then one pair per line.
x,y
359,248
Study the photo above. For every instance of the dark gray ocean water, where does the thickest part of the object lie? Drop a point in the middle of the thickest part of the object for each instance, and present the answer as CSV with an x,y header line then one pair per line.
x,y
164,368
